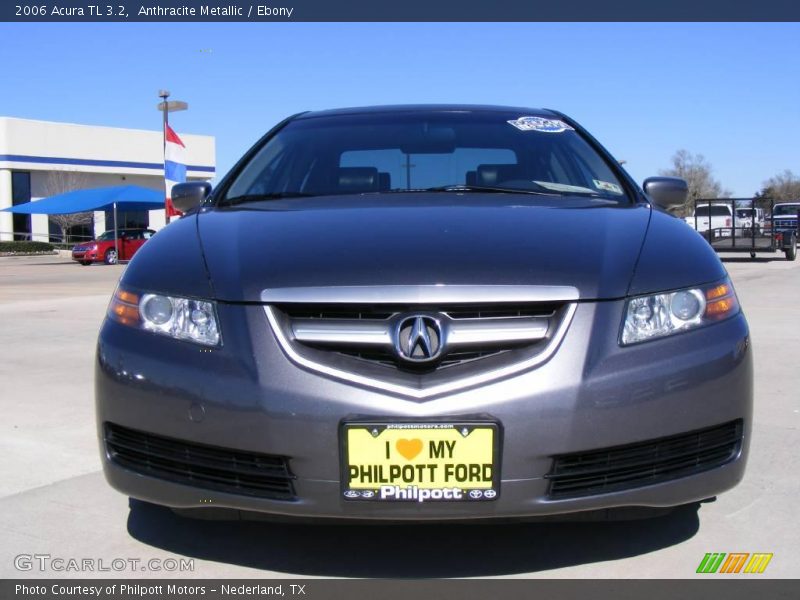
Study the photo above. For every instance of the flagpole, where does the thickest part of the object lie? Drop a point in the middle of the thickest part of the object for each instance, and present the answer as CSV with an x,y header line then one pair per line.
x,y
116,233
164,94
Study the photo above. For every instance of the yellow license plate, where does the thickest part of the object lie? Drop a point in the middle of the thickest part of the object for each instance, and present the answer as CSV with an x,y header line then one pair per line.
x,y
420,462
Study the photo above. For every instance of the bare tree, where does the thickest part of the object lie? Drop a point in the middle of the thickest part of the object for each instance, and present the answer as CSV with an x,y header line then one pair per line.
x,y
783,187
60,182
698,173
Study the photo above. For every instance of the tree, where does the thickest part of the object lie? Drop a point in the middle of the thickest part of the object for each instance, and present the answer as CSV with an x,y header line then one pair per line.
x,y
783,187
697,171
59,182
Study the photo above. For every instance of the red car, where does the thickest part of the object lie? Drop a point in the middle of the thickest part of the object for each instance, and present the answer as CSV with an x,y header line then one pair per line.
x,y
103,249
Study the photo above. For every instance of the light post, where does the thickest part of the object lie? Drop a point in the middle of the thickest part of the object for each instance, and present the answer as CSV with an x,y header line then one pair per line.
x,y
166,107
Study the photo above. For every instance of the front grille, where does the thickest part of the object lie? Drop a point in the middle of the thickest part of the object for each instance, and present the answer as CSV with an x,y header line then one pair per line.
x,y
368,332
545,311
385,358
379,312
198,465
322,311
645,463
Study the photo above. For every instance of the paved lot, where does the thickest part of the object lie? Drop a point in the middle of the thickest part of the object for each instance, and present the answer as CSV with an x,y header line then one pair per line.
x,y
53,499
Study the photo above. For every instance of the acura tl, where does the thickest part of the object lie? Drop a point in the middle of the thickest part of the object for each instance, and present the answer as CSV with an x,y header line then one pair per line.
x,y
420,313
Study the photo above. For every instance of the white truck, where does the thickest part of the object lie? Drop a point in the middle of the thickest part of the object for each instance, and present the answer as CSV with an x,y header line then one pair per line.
x,y
722,221
747,214
716,216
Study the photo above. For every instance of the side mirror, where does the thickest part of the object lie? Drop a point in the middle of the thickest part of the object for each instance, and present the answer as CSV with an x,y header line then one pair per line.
x,y
186,196
667,192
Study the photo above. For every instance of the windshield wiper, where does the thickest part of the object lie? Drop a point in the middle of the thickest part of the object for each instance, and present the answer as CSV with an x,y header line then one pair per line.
x,y
263,197
457,187
481,188
542,191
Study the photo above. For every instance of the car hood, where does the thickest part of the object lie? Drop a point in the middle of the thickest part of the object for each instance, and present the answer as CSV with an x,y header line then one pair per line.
x,y
453,240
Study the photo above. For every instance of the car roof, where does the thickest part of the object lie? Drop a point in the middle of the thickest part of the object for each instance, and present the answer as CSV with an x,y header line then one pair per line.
x,y
430,109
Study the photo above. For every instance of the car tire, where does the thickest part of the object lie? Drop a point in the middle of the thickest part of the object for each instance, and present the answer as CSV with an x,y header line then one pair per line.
x,y
111,257
86,263
791,252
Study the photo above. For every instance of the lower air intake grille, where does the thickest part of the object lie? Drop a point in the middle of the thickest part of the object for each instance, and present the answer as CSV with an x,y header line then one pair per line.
x,y
645,463
209,467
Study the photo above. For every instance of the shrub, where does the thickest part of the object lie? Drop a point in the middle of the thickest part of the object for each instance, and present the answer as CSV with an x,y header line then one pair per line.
x,y
25,247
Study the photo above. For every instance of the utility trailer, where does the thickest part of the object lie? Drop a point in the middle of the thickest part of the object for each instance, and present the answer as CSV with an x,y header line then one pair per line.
x,y
744,230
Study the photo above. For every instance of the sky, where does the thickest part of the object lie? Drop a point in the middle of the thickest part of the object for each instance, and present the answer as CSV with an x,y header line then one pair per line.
x,y
728,91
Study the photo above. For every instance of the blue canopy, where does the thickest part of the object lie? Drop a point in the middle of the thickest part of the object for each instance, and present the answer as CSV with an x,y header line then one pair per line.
x,y
126,197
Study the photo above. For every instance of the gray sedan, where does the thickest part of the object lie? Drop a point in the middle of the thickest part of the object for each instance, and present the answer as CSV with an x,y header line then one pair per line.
x,y
425,313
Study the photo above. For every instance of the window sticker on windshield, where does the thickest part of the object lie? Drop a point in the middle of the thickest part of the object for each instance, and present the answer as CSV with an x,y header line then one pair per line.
x,y
607,186
541,124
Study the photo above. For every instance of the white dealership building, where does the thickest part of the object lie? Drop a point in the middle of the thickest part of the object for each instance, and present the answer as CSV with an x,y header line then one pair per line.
x,y
42,158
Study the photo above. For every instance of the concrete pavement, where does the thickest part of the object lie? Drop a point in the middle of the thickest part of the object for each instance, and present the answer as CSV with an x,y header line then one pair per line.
x,y
54,501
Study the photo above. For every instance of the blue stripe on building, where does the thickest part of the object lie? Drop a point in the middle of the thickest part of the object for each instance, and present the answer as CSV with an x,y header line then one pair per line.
x,y
54,160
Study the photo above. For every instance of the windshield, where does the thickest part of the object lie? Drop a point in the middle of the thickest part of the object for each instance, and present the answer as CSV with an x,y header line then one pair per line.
x,y
105,236
786,209
432,151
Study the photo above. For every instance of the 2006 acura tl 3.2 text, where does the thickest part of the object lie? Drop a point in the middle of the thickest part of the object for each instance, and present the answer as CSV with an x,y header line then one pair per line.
x,y
425,313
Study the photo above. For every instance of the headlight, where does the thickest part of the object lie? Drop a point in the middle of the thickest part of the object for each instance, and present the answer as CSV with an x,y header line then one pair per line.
x,y
179,318
658,315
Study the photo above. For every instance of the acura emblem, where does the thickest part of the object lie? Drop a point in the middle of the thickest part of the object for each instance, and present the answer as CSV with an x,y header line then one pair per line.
x,y
418,338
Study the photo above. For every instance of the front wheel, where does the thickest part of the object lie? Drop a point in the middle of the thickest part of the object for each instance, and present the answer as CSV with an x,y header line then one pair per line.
x,y
791,252
110,257
86,263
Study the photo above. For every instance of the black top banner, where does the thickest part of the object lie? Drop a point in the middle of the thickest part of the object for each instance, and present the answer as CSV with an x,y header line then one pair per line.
x,y
176,11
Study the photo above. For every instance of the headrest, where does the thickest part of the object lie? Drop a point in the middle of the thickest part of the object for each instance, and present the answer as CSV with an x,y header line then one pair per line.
x,y
357,180
491,175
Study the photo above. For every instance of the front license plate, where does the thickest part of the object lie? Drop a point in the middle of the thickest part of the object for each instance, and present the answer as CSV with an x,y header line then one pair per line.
x,y
420,462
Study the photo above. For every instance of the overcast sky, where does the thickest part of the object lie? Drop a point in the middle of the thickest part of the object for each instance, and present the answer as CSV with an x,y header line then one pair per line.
x,y
728,91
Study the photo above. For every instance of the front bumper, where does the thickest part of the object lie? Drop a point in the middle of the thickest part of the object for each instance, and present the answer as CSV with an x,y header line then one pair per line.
x,y
84,255
248,396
